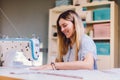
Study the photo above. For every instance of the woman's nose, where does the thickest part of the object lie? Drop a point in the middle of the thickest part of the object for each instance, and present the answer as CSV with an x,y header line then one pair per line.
x,y
62,29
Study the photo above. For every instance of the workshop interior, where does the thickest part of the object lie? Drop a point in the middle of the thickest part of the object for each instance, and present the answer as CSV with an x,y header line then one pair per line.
x,y
28,38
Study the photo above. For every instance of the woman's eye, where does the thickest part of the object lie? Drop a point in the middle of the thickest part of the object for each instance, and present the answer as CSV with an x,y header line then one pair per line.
x,y
65,25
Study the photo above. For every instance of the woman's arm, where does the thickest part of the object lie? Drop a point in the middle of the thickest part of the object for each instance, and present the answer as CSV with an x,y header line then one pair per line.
x,y
87,63
74,65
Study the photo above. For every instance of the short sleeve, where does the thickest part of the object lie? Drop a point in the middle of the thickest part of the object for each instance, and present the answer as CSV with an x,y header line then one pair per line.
x,y
87,46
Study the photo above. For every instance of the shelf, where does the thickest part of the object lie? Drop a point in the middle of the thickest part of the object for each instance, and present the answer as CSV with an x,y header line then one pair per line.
x,y
102,38
97,3
54,38
55,26
100,21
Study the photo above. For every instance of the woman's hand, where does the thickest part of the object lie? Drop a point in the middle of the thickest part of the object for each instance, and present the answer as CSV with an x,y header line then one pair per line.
x,y
43,67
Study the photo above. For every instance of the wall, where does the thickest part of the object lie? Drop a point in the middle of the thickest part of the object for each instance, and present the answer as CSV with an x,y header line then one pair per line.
x,y
25,17
118,2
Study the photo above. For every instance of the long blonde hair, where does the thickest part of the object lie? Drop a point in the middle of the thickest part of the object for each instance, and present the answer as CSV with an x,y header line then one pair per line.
x,y
64,42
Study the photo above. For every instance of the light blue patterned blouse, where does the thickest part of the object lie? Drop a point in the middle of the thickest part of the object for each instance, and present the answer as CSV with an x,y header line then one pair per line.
x,y
87,46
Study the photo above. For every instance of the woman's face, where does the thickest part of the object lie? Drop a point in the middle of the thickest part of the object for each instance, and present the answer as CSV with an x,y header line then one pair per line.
x,y
67,27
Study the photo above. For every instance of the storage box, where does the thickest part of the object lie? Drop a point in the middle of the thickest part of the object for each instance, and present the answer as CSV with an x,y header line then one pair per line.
x,y
103,48
63,2
80,2
101,30
101,14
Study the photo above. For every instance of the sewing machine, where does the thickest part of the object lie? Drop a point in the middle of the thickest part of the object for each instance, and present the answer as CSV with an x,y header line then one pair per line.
x,y
8,47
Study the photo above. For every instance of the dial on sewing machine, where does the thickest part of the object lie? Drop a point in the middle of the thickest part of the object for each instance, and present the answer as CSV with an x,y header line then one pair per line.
x,y
8,48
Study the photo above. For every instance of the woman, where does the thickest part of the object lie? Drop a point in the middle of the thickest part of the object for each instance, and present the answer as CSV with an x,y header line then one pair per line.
x,y
76,49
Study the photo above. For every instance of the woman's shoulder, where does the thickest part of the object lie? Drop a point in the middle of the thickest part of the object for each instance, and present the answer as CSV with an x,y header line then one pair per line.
x,y
86,37
88,43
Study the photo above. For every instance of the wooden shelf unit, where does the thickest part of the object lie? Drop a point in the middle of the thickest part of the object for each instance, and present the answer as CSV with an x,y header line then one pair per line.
x,y
104,61
111,60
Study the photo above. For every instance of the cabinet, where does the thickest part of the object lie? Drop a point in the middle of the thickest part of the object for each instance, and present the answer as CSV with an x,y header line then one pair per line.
x,y
104,26
101,20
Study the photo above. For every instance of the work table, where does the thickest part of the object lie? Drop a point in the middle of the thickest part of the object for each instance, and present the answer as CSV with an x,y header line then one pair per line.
x,y
7,73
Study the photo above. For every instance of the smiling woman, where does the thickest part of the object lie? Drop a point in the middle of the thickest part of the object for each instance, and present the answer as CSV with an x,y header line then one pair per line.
x,y
76,49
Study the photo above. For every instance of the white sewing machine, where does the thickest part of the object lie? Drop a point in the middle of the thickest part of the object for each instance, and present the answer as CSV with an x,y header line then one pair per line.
x,y
8,47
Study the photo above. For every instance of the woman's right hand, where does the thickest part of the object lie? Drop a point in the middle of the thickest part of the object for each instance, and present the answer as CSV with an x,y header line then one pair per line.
x,y
43,67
